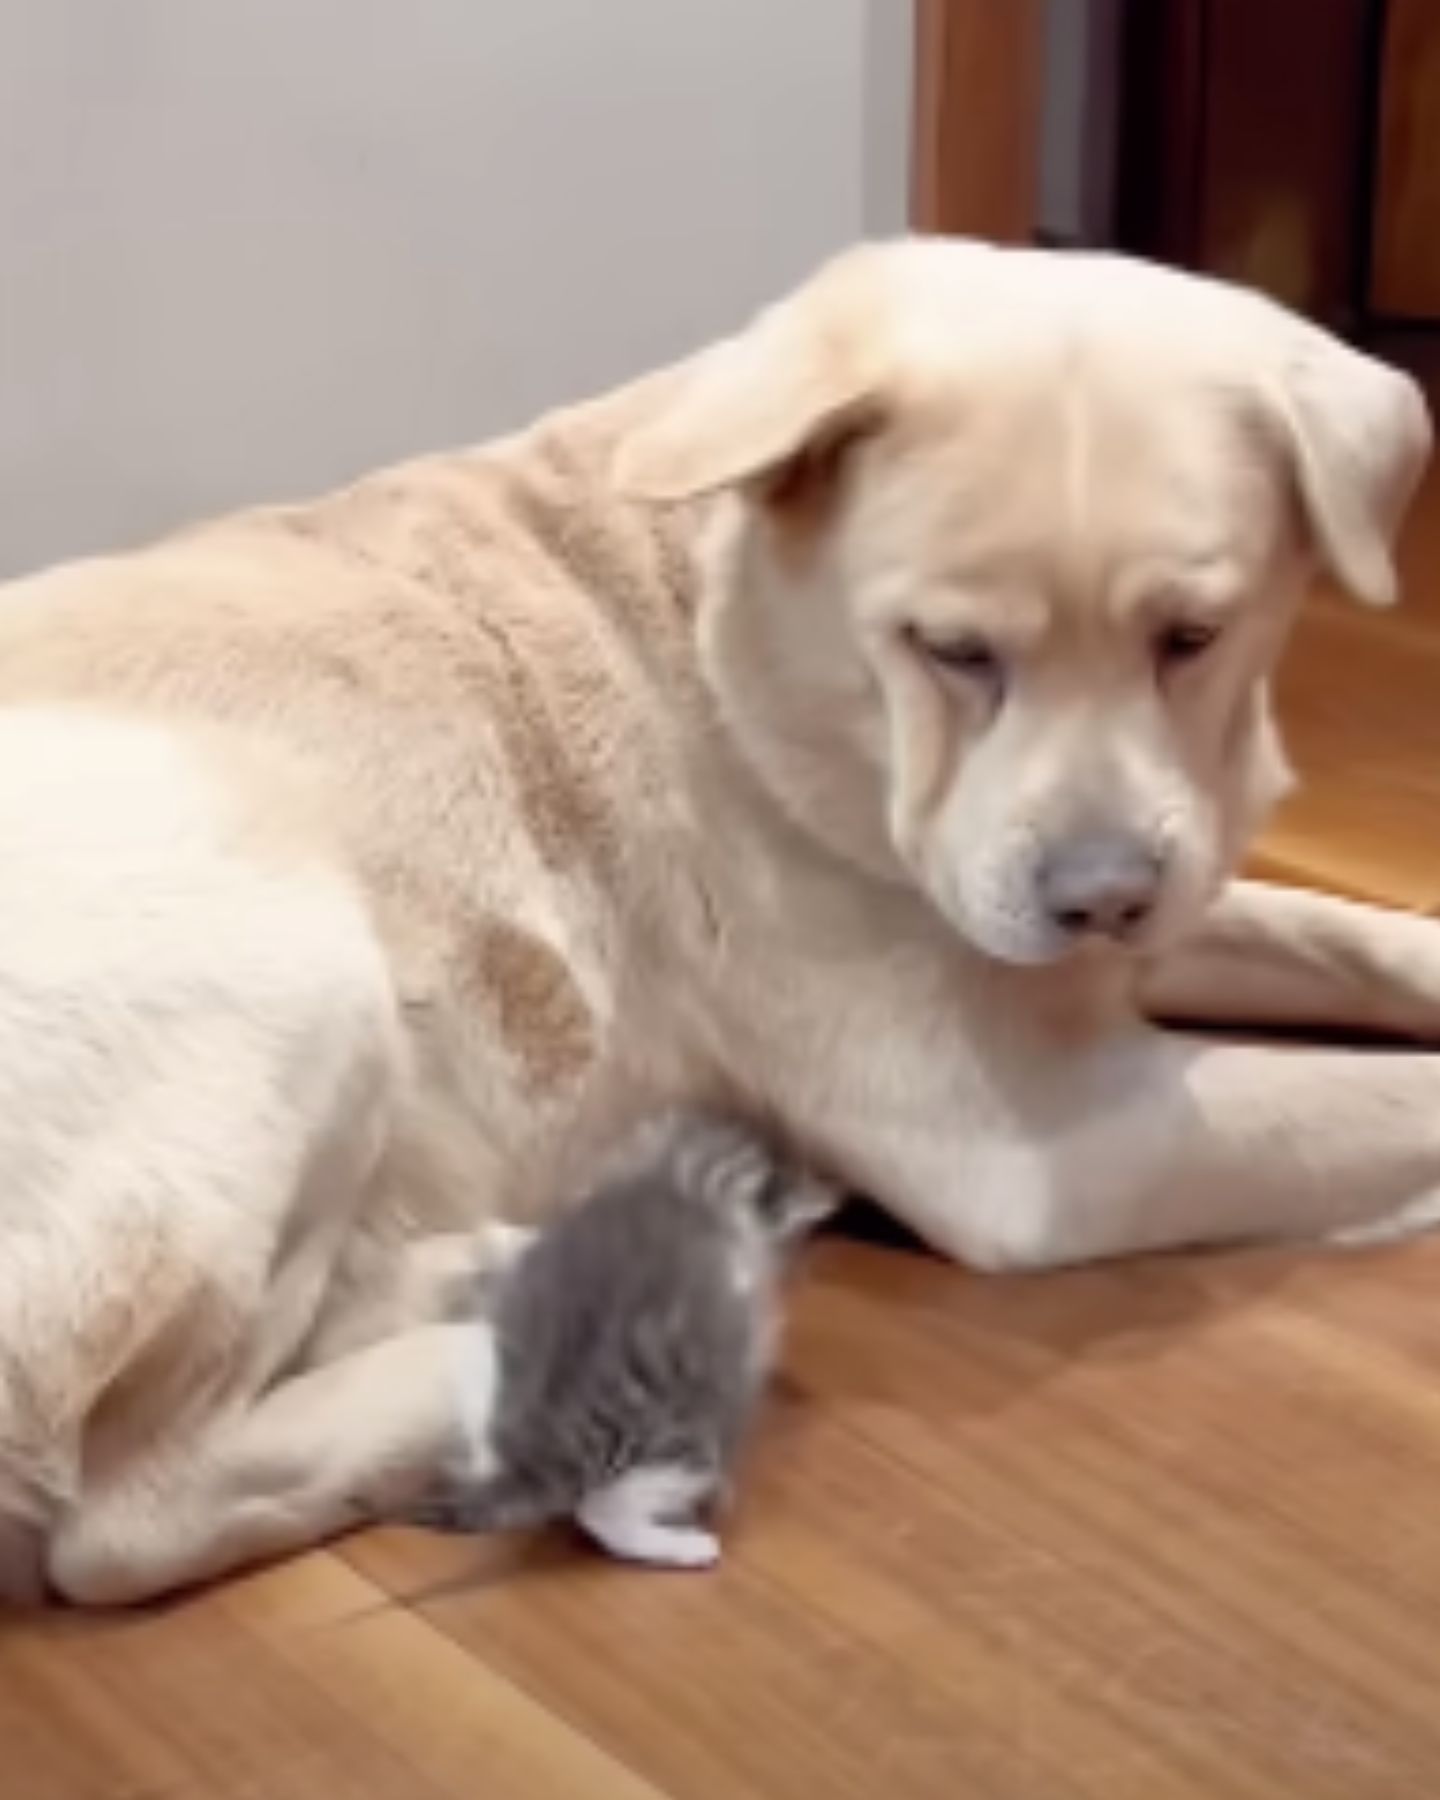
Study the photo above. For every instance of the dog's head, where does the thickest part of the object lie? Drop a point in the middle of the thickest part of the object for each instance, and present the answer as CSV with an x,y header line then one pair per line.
x,y
1012,541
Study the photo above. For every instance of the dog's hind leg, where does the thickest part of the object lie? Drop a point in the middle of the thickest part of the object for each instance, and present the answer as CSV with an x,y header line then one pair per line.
x,y
358,1438
322,1452
198,1064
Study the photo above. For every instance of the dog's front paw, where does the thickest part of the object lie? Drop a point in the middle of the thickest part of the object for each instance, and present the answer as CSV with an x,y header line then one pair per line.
x,y
1412,1220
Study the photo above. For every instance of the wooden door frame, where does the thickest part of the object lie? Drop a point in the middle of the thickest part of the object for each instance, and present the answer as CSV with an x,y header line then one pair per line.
x,y
1390,288
1201,179
976,135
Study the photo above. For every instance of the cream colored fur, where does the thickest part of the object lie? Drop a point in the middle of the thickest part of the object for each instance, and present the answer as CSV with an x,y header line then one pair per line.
x,y
365,865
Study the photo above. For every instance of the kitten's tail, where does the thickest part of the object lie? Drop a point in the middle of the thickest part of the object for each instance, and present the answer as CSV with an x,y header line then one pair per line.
x,y
794,1204
505,1501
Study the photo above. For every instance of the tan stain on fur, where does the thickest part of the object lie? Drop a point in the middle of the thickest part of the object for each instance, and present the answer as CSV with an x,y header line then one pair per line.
x,y
541,1014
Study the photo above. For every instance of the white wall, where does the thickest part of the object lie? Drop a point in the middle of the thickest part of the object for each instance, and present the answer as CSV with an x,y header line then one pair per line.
x,y
248,247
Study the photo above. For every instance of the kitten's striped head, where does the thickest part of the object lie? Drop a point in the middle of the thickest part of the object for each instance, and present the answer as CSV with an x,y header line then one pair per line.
x,y
726,1163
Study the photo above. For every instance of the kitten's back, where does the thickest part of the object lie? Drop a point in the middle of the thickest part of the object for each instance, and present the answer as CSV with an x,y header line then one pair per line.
x,y
635,1331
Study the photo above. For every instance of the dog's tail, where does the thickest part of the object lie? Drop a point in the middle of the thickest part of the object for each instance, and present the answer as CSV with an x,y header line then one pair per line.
x,y
33,1487
23,1541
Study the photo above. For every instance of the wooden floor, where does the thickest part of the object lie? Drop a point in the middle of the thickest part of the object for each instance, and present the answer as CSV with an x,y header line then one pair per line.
x,y
1162,1530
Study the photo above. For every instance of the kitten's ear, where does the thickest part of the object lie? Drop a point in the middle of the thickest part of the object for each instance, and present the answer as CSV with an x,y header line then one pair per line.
x,y
798,1203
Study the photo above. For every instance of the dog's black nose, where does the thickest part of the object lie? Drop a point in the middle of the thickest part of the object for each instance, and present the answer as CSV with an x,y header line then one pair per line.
x,y
1103,885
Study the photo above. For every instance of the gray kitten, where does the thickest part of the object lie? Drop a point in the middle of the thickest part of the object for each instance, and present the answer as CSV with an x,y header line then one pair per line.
x,y
628,1343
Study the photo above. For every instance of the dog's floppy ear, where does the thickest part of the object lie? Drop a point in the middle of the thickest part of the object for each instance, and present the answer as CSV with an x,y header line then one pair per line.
x,y
795,387
1360,436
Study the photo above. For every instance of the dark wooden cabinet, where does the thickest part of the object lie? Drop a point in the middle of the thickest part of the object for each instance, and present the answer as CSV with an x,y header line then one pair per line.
x,y
1404,273
1292,144
977,124
1245,137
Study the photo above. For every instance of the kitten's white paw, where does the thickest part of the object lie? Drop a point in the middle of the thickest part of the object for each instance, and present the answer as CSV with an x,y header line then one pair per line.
x,y
498,1247
663,1546
633,1518
476,1381
681,1547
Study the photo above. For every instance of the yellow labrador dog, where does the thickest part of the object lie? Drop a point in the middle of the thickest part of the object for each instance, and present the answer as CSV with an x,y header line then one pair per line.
x,y
861,720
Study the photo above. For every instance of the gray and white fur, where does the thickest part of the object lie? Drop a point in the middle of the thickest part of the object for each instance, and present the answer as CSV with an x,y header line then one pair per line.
x,y
628,1342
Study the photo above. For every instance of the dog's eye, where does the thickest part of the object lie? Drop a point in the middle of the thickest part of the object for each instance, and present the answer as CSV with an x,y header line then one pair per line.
x,y
1184,642
968,655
